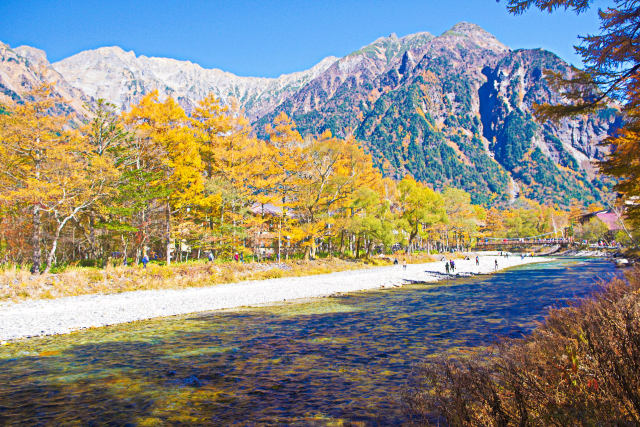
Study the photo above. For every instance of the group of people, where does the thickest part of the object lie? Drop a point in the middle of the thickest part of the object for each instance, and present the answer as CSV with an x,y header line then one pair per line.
x,y
404,263
450,266
237,257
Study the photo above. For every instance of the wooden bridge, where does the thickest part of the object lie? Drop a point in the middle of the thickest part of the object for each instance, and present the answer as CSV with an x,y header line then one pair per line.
x,y
525,243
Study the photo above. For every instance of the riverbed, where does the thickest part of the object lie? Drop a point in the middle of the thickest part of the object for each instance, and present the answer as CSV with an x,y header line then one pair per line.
x,y
342,358
36,317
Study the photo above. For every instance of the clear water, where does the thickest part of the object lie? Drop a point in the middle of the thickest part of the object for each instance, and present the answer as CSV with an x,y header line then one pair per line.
x,y
320,362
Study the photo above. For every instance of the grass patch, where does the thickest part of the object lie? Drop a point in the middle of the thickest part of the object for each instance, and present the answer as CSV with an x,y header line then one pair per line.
x,y
19,284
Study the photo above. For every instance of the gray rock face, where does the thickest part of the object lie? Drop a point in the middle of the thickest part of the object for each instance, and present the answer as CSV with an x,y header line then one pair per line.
x,y
517,83
123,78
25,68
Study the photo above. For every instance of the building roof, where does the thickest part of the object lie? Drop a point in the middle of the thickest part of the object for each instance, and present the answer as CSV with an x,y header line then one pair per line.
x,y
266,208
610,219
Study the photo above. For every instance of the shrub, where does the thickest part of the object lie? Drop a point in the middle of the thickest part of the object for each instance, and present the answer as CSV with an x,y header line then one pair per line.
x,y
580,367
274,273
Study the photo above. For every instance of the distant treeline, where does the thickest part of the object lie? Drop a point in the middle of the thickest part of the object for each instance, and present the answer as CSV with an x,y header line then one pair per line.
x,y
157,181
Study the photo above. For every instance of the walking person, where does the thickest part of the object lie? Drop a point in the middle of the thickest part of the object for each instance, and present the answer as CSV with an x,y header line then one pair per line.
x,y
477,261
404,264
236,257
210,256
145,261
495,265
446,266
453,266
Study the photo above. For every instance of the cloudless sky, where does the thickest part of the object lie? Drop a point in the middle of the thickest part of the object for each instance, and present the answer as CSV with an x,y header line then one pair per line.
x,y
270,37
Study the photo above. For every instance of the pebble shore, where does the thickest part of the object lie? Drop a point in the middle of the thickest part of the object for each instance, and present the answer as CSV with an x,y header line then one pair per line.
x,y
63,315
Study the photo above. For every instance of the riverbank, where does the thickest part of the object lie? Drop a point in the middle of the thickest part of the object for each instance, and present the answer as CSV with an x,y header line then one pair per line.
x,y
63,315
18,284
580,366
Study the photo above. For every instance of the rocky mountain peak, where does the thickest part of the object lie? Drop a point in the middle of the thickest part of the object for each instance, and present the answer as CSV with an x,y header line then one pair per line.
x,y
108,55
25,68
477,34
33,55
385,52
116,51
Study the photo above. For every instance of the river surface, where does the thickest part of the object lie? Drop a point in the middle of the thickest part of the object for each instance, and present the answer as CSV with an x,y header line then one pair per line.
x,y
321,362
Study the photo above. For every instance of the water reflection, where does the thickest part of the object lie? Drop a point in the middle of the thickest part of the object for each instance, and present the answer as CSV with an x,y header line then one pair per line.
x,y
318,362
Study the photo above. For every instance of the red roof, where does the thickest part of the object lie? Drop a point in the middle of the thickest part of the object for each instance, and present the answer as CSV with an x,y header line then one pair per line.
x,y
265,208
610,219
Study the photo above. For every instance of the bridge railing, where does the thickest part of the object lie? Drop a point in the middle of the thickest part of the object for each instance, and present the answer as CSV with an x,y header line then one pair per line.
x,y
523,241
547,242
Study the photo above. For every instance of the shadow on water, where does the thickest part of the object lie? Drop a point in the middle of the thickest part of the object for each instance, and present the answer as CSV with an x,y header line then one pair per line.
x,y
340,358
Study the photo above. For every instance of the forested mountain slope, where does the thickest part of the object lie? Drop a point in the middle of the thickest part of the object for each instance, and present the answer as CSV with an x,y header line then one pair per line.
x,y
457,110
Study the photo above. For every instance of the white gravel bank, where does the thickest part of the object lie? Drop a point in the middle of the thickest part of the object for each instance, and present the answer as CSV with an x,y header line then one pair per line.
x,y
63,315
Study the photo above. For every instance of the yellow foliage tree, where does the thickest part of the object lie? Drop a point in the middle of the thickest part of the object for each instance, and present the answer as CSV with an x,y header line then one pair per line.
x,y
420,208
170,147
48,170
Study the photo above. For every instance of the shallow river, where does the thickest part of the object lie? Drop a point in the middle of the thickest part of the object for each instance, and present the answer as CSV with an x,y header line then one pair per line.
x,y
317,362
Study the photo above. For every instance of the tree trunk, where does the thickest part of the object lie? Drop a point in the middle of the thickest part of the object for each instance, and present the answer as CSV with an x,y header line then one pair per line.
x,y
412,236
54,245
92,237
167,231
125,246
35,240
618,214
358,247
279,238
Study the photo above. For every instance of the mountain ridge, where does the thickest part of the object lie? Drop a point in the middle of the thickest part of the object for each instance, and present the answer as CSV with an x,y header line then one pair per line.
x,y
133,75
453,109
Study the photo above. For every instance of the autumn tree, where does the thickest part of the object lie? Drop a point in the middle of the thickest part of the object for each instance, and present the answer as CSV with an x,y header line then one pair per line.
x,y
494,223
420,208
463,220
29,137
285,156
171,148
235,166
50,171
107,141
331,171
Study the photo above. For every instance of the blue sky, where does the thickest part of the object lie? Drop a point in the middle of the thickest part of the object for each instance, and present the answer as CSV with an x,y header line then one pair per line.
x,y
268,38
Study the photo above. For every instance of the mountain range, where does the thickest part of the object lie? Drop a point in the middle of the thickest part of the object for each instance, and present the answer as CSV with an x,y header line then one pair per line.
x,y
454,109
